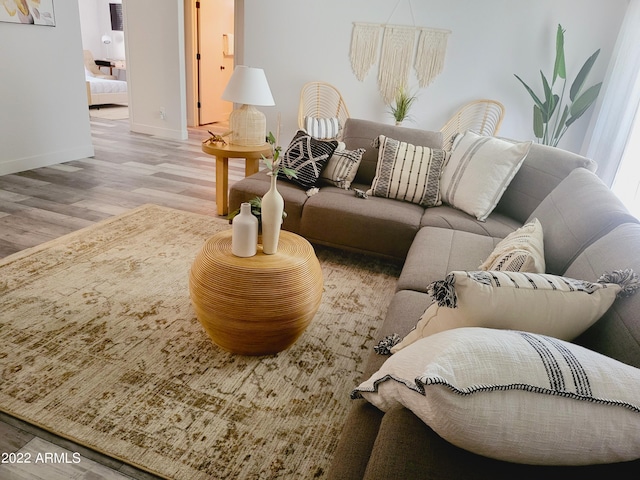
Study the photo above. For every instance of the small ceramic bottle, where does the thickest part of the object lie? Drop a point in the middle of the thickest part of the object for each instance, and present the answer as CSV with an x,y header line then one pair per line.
x,y
244,236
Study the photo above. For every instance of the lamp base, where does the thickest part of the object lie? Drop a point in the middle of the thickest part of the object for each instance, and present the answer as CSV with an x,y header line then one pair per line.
x,y
248,126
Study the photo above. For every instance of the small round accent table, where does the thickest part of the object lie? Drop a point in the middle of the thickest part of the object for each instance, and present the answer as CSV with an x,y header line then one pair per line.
x,y
258,305
252,156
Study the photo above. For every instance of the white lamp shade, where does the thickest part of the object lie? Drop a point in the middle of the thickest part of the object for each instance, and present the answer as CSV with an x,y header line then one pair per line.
x,y
106,39
248,86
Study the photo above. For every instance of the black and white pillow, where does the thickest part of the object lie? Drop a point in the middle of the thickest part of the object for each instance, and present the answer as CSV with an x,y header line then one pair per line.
x,y
308,157
515,396
408,172
342,167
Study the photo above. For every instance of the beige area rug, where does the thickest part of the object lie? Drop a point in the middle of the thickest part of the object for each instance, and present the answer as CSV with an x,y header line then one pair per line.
x,y
110,112
99,344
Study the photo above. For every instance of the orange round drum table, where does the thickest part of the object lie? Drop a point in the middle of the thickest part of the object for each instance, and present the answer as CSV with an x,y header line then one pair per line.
x,y
258,305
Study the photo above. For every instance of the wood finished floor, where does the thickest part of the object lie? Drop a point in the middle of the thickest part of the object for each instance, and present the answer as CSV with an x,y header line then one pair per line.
x,y
38,205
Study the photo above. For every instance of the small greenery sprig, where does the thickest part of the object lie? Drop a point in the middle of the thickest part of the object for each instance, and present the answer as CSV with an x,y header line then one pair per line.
x,y
275,166
403,102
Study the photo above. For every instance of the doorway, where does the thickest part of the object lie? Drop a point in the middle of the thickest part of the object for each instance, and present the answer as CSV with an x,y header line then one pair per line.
x,y
210,59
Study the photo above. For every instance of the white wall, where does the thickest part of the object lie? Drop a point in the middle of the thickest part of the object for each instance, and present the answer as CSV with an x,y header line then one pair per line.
x,y
296,41
43,97
154,42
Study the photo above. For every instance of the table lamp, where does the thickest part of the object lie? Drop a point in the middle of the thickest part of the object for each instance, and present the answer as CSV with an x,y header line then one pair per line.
x,y
248,86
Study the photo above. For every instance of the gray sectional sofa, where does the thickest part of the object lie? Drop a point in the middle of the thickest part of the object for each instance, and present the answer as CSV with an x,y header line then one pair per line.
x,y
587,231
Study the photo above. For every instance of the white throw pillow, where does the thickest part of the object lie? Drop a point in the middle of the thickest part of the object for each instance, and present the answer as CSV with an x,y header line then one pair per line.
x,y
479,171
520,251
560,307
515,396
408,172
322,128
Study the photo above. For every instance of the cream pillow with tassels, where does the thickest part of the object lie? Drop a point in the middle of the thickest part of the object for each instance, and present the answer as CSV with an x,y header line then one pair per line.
x,y
520,251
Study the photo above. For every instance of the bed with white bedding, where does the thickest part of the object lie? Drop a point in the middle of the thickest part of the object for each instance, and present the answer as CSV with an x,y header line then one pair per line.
x,y
101,91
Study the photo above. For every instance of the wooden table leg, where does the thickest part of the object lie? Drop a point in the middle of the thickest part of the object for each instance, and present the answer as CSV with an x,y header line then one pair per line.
x,y
251,166
222,185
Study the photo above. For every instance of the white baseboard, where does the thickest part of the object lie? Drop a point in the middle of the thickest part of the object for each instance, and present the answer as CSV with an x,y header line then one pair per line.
x,y
159,131
44,160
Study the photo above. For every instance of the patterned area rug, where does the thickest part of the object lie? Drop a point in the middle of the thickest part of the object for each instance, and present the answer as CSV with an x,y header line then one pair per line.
x,y
99,344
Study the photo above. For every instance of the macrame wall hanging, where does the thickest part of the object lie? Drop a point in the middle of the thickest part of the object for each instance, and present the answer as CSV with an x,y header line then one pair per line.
x,y
397,54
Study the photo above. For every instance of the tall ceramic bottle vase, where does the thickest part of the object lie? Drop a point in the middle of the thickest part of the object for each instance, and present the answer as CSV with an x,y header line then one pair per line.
x,y
272,208
244,234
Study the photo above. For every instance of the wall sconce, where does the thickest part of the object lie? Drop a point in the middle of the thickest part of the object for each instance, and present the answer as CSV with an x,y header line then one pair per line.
x,y
106,39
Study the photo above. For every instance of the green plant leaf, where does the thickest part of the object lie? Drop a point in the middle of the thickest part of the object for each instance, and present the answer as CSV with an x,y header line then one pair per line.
x,y
538,122
561,124
271,139
559,69
577,84
533,95
289,172
583,102
548,106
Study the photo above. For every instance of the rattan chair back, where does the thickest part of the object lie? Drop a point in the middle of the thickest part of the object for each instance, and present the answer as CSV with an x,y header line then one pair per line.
x,y
484,117
321,100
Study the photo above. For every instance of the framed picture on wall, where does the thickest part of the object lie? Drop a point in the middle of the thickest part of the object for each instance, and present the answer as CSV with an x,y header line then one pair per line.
x,y
28,12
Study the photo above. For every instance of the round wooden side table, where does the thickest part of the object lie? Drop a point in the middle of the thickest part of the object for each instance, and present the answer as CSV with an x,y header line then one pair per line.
x,y
252,156
258,305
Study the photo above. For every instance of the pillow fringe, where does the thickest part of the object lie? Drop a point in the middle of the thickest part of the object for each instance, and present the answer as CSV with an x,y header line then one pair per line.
x,y
443,292
627,279
384,346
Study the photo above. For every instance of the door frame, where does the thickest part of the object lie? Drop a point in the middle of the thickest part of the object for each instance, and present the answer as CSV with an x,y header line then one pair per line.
x,y
191,48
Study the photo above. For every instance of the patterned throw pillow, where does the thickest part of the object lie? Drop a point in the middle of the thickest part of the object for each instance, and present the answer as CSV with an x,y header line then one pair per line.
x,y
342,167
308,157
560,307
515,396
322,128
520,251
479,171
408,172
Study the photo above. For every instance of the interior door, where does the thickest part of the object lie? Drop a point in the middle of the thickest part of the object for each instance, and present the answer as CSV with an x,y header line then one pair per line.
x,y
215,63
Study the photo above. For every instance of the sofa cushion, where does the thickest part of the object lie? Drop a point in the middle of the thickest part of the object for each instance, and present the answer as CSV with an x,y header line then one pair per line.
x,y
342,168
307,156
515,396
520,251
543,169
617,333
479,171
361,134
375,225
438,251
408,172
496,225
577,212
557,306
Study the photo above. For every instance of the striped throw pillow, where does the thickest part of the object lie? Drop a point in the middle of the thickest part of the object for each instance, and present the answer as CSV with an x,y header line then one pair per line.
x,y
342,167
515,396
408,172
479,171
322,128
560,307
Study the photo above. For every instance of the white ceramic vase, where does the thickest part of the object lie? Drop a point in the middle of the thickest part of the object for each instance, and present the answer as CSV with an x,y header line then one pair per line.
x,y
272,208
244,235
